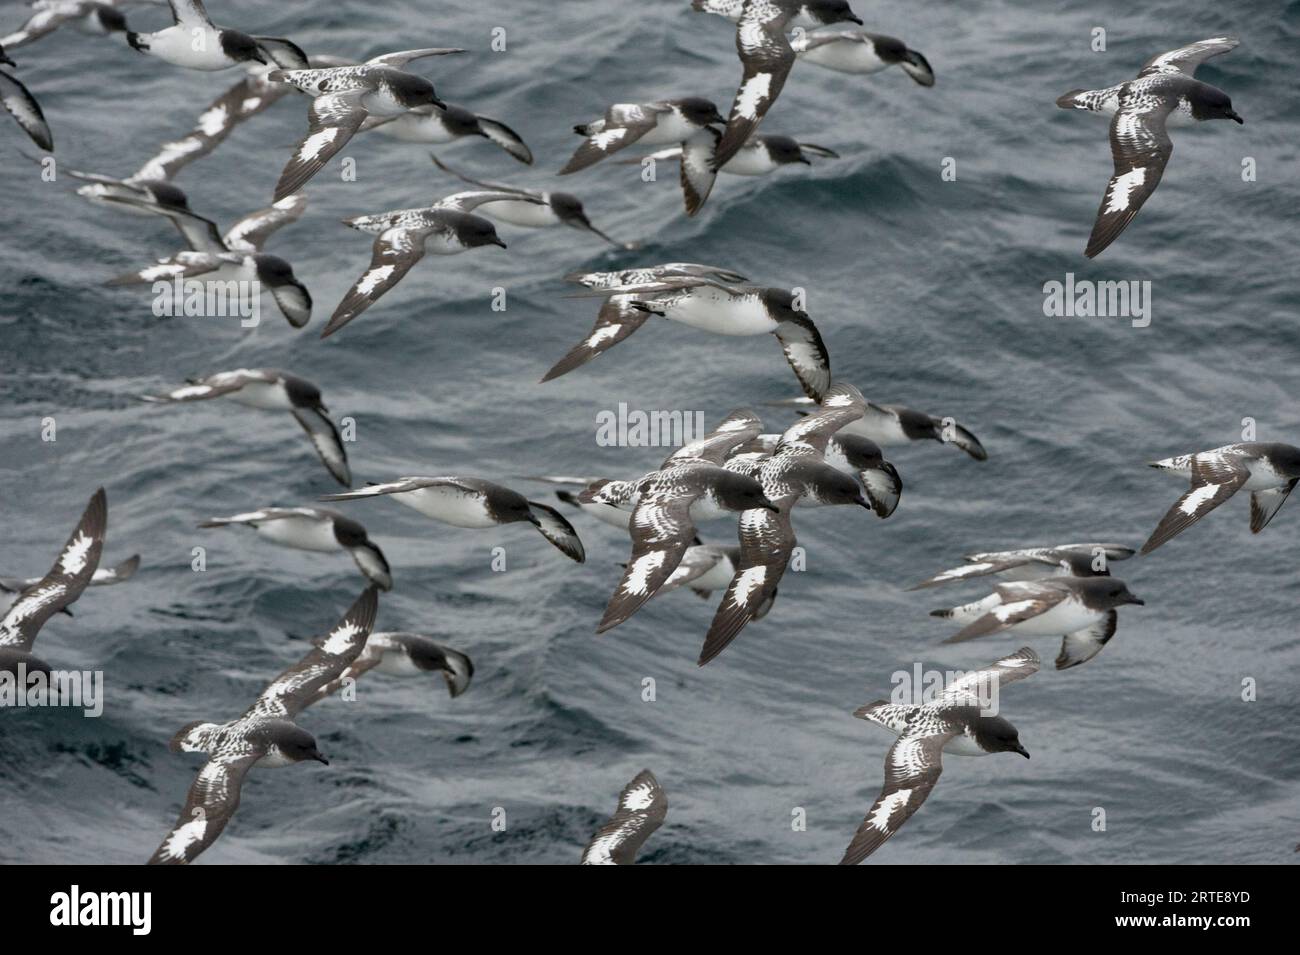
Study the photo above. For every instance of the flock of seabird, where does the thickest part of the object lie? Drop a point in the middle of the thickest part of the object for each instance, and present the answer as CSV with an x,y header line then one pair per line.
x,y
831,455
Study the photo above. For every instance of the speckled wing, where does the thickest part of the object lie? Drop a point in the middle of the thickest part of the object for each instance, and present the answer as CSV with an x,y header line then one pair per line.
x,y
247,98
841,404
912,767
43,21
296,688
737,428
399,59
1140,148
642,807
616,320
766,56
766,540
1186,59
212,800
968,689
65,581
661,530
981,568
393,254
182,265
1216,476
1020,601
213,386
22,106
332,120
250,233
624,124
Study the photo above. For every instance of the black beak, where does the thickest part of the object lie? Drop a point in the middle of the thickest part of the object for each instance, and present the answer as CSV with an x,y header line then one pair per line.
x,y
854,19
1136,600
496,240
1022,751
6,61
1232,115
718,118
320,758
768,505
439,103
805,160
863,502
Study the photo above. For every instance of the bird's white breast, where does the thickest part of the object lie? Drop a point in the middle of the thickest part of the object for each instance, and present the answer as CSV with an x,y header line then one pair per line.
x,y
846,56
713,310
451,505
529,214
303,533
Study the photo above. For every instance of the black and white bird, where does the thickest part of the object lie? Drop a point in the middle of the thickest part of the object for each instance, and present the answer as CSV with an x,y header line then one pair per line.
x,y
691,484
22,106
532,208
444,124
251,95
765,56
403,236
344,98
1081,609
91,17
270,390
315,529
619,316
1163,93
954,723
265,735
857,51
712,305
1036,563
475,503
759,156
794,474
236,256
651,124
196,43
642,807
102,577
892,426
405,654
704,569
70,575
1267,470
853,454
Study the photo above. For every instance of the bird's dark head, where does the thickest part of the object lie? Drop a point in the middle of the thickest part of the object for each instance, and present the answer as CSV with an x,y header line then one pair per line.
x,y
241,47
411,90
835,487
1208,102
699,111
830,11
997,735
568,208
783,304
783,150
1286,458
297,744
302,393
1111,592
460,121
110,19
474,231
737,492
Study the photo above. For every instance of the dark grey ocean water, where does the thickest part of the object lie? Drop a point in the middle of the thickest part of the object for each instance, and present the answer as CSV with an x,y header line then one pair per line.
x,y
928,292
